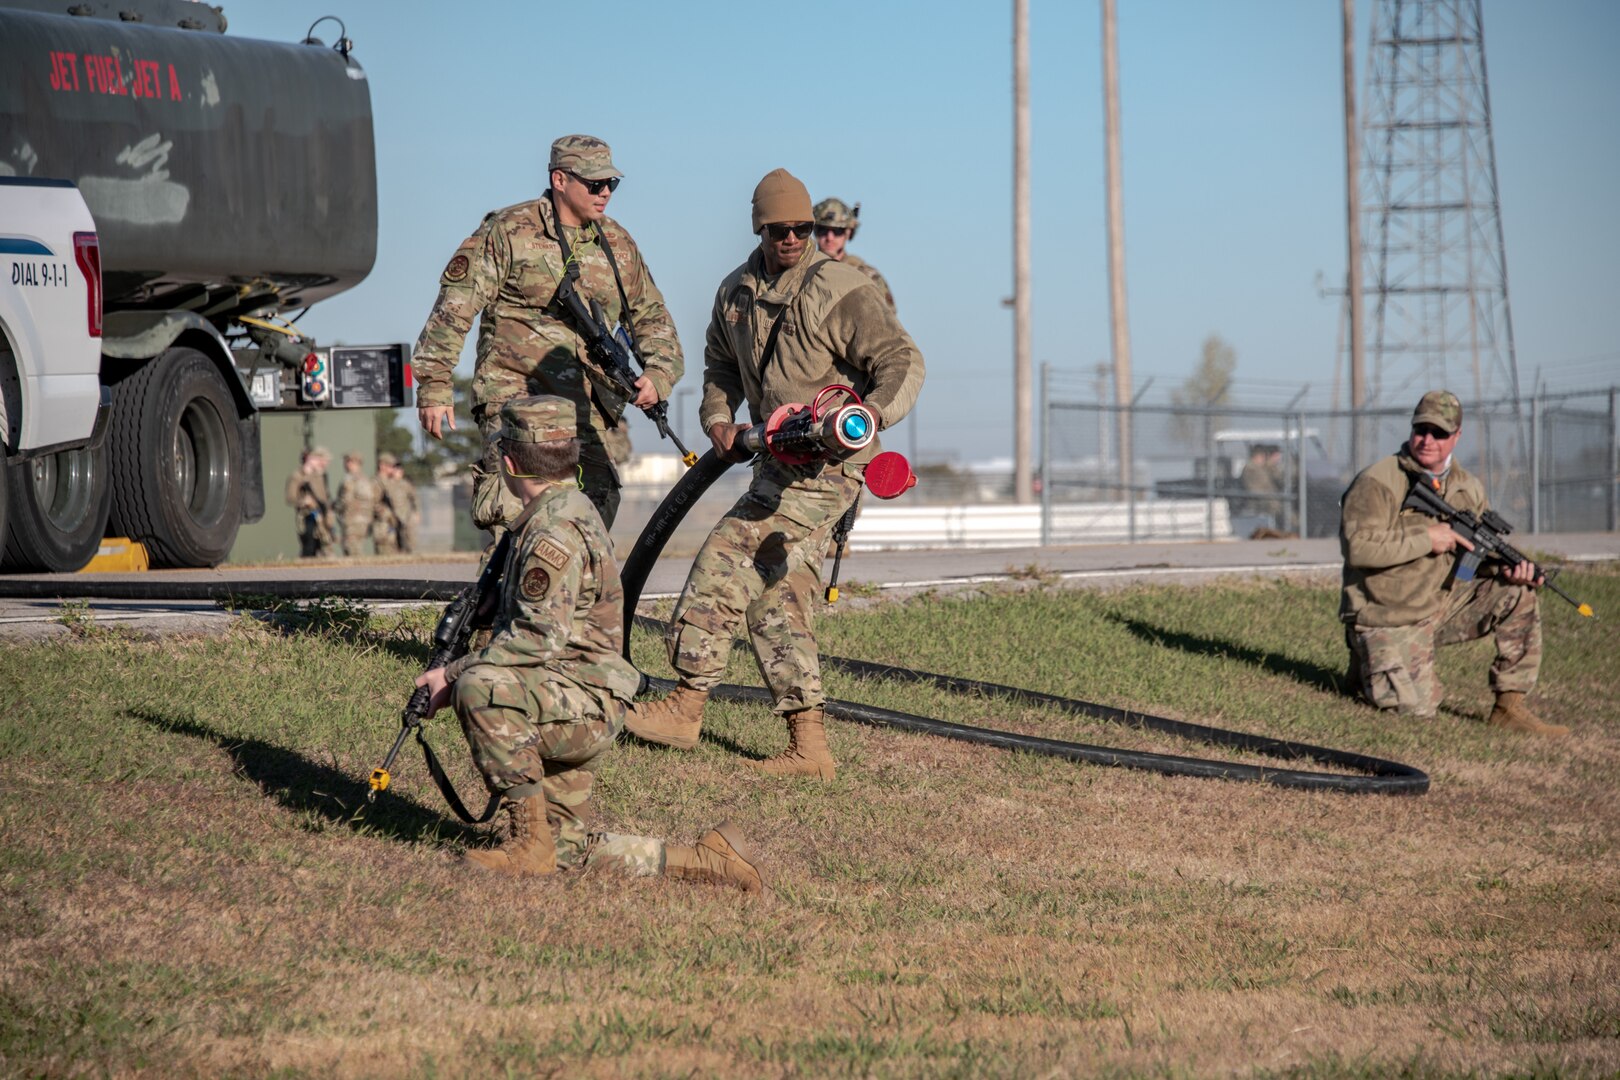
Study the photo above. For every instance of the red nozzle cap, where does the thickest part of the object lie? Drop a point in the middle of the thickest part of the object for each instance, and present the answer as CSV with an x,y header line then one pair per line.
x,y
889,475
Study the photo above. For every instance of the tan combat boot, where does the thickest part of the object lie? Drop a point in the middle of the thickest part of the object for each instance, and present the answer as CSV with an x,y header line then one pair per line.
x,y
674,721
807,753
720,856
530,849
1510,713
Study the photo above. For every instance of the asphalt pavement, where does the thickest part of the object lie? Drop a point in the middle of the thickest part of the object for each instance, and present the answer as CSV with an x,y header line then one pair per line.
x,y
892,572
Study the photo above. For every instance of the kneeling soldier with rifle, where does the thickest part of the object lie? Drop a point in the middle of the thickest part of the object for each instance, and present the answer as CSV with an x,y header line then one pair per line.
x,y
1403,596
545,699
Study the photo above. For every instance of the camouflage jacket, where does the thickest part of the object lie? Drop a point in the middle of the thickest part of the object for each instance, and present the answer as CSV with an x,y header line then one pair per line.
x,y
400,498
1391,575
872,272
307,491
837,330
508,272
357,498
561,609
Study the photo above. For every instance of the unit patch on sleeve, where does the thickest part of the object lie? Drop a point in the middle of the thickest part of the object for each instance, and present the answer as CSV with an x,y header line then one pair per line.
x,y
457,270
535,584
551,554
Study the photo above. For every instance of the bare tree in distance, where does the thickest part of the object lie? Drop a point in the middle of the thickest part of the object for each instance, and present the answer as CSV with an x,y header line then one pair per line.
x,y
1209,386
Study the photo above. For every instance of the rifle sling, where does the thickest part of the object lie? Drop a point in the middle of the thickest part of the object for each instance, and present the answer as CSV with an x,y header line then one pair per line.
x,y
571,281
769,351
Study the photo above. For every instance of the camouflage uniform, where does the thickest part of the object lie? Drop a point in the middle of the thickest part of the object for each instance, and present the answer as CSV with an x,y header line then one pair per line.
x,y
761,566
1399,603
384,525
405,510
1262,480
545,699
834,213
356,506
306,493
508,273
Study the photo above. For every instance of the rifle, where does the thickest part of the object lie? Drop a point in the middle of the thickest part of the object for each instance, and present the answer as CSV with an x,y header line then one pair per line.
x,y
612,350
450,639
1485,531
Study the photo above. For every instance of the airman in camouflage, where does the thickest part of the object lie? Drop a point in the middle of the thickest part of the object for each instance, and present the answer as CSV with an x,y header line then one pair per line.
x,y
404,509
546,697
356,505
836,224
508,273
384,526
1400,602
307,494
822,323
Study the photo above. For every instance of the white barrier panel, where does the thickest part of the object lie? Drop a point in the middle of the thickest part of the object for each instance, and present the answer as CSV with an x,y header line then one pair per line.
x,y
891,527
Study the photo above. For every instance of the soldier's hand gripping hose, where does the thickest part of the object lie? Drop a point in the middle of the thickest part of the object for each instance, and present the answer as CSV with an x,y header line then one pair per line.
x,y
462,616
797,434
1485,532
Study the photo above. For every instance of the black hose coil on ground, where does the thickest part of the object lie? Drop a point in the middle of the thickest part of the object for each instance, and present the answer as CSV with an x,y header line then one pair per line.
x,y
1379,776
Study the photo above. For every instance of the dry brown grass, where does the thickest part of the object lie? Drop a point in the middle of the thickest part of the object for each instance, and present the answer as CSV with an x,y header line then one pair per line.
x,y
186,887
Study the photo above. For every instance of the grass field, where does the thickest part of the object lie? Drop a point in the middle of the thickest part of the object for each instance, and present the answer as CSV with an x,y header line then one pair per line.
x,y
192,884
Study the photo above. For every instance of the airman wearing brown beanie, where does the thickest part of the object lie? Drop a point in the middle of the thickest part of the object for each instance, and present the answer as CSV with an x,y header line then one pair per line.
x,y
831,326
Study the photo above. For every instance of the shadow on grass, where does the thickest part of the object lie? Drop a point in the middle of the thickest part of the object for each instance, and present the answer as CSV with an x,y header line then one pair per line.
x,y
1328,680
303,785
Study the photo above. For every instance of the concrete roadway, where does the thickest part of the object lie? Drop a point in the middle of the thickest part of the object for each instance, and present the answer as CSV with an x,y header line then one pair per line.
x,y
895,572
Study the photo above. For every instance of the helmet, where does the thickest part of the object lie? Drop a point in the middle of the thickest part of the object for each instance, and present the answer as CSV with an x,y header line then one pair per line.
x,y
835,213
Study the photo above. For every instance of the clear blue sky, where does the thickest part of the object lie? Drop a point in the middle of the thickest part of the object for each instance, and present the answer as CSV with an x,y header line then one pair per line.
x,y
1233,165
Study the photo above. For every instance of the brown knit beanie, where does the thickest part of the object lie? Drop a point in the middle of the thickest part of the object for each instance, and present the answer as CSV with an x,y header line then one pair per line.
x,y
780,197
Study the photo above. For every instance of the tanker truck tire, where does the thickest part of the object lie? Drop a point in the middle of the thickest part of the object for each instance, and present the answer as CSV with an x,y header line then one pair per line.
x,y
56,512
176,460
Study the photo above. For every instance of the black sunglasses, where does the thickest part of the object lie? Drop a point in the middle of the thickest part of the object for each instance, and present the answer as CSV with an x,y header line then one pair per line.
x,y
595,186
778,233
1437,434
830,230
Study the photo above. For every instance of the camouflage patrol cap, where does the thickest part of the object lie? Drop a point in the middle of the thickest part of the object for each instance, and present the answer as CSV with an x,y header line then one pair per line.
x,y
321,451
542,418
1440,408
837,215
386,458
584,156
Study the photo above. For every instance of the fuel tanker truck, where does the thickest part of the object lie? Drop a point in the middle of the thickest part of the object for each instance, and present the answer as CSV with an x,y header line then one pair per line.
x,y
171,201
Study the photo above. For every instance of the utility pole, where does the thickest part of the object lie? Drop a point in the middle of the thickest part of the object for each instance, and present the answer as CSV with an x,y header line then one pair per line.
x,y
1023,389
1116,241
1352,214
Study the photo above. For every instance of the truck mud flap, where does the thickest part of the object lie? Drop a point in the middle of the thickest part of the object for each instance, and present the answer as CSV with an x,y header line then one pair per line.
x,y
252,469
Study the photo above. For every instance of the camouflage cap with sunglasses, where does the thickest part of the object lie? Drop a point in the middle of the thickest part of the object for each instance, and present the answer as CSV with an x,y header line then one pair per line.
x,y
538,419
585,156
1440,408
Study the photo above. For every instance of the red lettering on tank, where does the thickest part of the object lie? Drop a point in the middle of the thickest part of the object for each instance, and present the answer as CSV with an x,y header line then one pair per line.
x,y
119,86
174,85
64,71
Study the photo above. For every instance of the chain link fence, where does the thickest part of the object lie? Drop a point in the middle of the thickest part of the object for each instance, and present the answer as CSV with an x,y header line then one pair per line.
x,y
1550,463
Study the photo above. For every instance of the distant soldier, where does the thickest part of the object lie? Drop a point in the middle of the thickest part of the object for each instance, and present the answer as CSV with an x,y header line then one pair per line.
x,y
507,274
1262,483
307,495
384,526
356,504
544,700
835,228
400,494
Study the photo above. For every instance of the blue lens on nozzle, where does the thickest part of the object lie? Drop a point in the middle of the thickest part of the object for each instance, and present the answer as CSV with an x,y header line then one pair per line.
x,y
855,426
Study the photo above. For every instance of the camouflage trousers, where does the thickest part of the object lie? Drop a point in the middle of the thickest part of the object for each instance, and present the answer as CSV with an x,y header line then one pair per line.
x,y
530,727
355,531
761,567
493,505
1395,665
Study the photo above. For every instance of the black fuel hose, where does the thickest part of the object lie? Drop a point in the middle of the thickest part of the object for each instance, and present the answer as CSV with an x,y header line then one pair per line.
x,y
154,587
1377,776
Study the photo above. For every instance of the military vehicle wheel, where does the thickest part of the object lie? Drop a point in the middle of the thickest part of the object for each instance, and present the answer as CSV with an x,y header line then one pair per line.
x,y
56,512
177,460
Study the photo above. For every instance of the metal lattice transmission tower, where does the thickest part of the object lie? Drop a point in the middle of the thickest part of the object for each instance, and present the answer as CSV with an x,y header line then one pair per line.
x,y
1435,264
